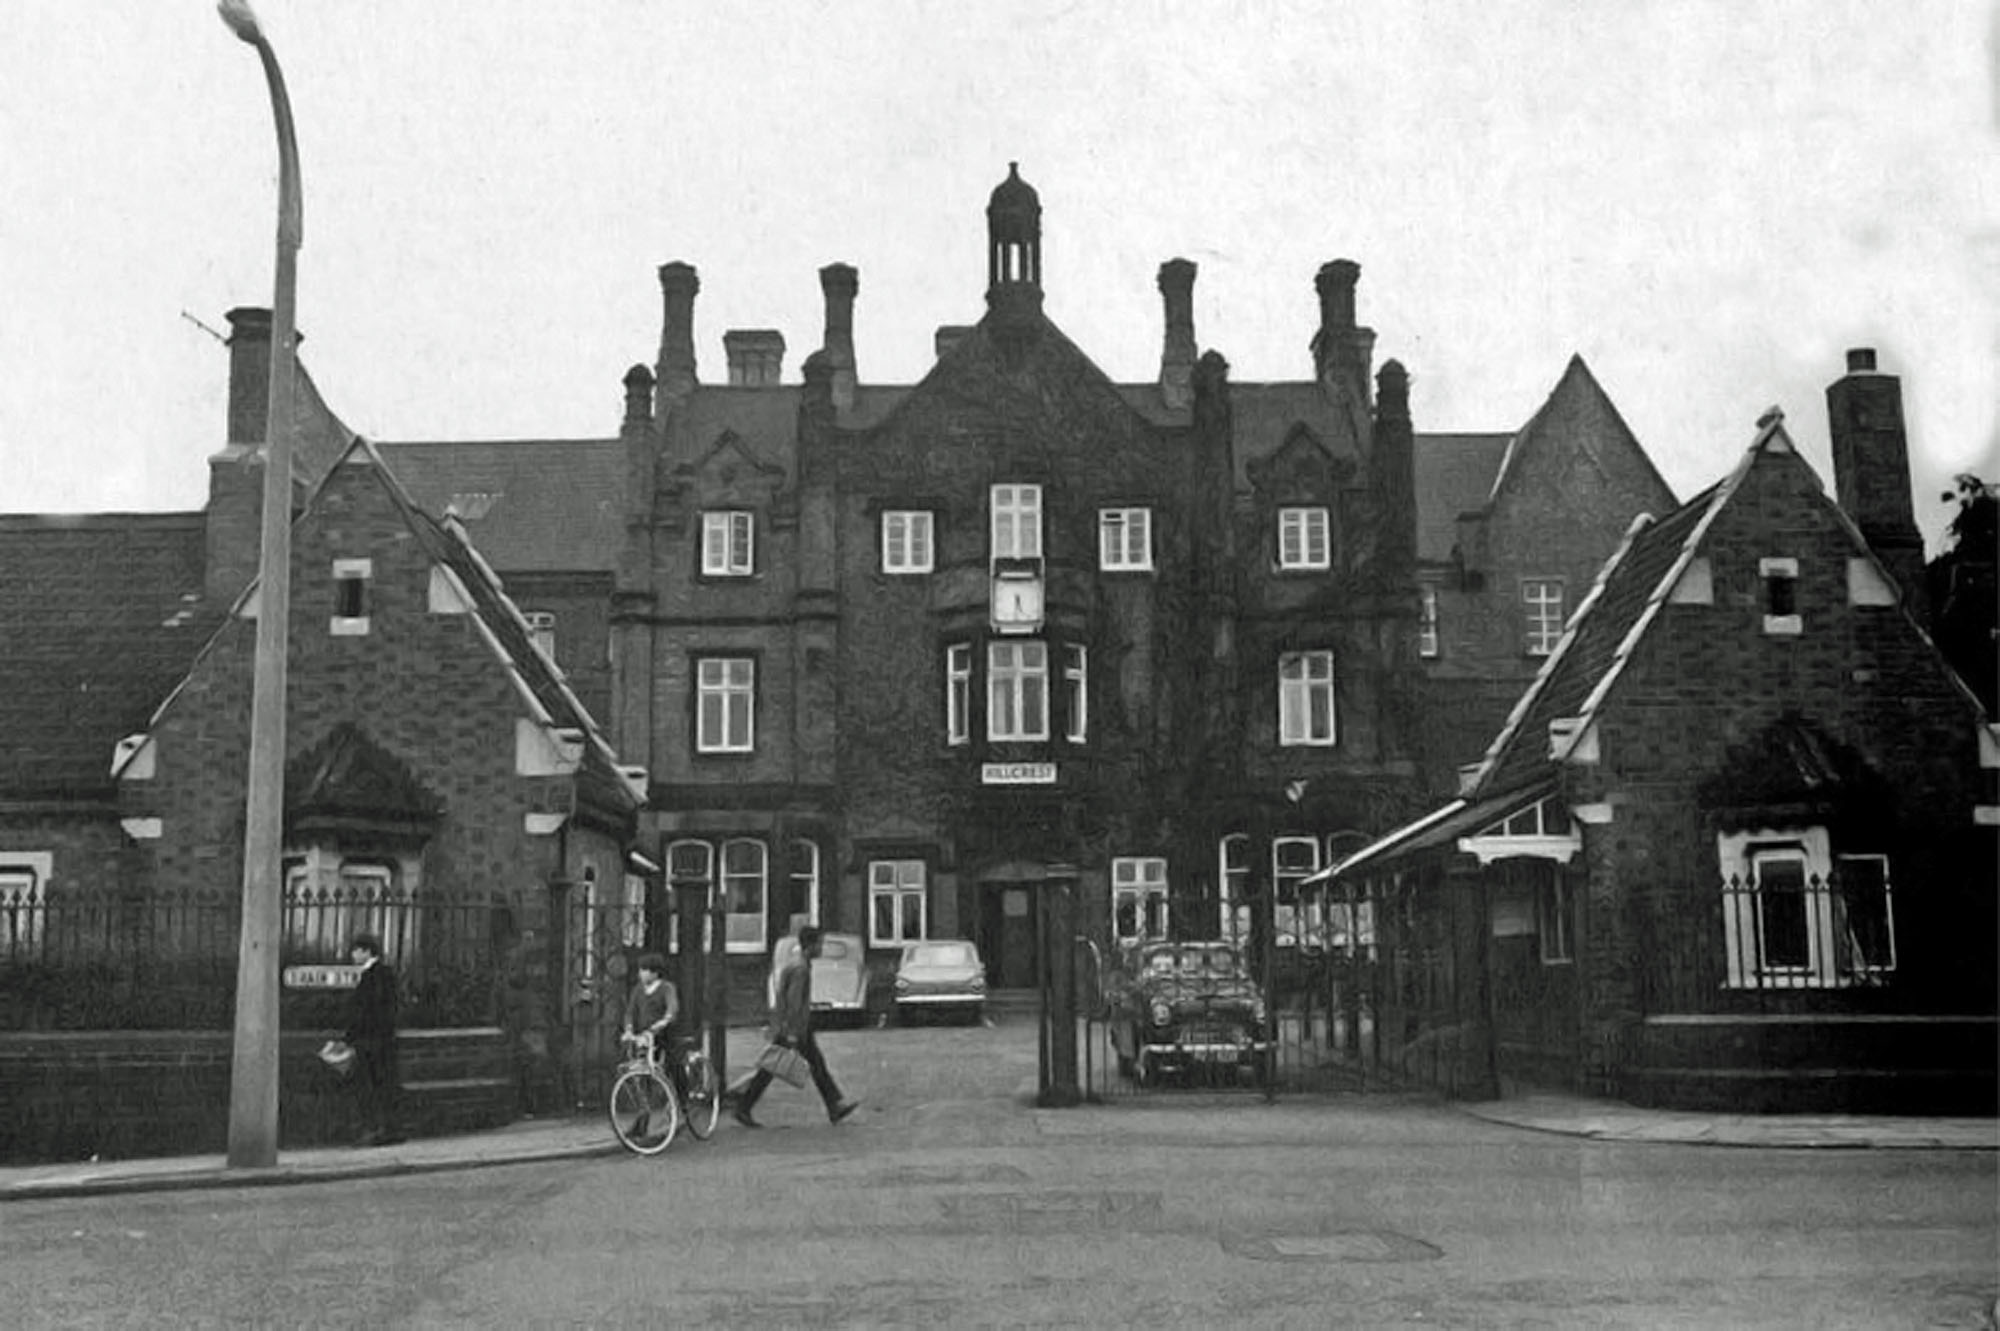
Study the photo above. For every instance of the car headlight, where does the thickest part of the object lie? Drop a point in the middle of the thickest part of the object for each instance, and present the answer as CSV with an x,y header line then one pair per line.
x,y
902,985
979,982
1163,1012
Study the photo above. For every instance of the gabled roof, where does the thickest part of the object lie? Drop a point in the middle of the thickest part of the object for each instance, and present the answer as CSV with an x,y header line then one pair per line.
x,y
1613,619
537,680
103,614
1578,387
533,505
347,775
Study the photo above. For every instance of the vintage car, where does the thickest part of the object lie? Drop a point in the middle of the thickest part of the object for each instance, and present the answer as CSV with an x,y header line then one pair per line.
x,y
839,975
1178,1007
940,977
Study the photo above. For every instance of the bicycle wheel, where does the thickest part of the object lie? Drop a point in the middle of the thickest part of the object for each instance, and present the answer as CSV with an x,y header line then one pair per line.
x,y
704,1097
644,1114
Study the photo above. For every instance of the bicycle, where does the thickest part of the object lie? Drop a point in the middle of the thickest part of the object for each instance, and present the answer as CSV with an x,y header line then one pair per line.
x,y
645,1111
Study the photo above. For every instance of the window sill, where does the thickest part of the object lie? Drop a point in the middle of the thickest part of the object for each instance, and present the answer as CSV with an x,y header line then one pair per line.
x,y
343,627
1783,626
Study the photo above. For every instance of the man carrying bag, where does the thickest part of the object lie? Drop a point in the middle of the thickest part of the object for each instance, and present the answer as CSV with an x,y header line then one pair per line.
x,y
792,1040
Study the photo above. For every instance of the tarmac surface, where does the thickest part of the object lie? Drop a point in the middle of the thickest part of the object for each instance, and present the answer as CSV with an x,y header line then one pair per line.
x,y
588,1134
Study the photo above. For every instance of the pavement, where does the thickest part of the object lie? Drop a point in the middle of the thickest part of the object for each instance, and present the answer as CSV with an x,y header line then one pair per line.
x,y
582,1135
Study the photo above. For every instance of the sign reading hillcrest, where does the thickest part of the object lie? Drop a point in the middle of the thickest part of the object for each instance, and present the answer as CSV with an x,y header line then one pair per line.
x,y
1017,774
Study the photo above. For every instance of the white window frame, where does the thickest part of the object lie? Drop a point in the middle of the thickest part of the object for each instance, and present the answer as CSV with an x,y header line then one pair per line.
x,y
542,631
360,575
1125,540
1427,620
1542,608
1076,686
1870,969
907,545
1829,948
725,695
1139,898
1303,918
805,882
1017,689
905,885
1016,512
1304,679
1305,538
728,543
1232,878
632,911
677,853
958,693
744,879
24,903
1771,574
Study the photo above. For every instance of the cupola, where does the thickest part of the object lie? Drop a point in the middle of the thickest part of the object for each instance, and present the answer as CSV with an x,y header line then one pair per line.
x,y
1014,233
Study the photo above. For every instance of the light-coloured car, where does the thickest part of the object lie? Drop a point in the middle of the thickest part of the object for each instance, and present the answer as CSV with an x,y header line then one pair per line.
x,y
839,975
944,976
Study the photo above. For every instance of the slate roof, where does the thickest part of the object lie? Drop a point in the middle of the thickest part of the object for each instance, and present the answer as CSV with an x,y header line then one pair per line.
x,y
103,615
1454,475
533,505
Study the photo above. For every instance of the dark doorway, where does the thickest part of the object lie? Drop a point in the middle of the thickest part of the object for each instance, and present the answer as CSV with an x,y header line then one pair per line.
x,y
1007,919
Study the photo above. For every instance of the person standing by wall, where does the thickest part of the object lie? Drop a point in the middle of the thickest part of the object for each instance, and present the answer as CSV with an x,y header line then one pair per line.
x,y
791,1026
371,1032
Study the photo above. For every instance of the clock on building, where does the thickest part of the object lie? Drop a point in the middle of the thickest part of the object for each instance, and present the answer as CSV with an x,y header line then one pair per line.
x,y
1017,603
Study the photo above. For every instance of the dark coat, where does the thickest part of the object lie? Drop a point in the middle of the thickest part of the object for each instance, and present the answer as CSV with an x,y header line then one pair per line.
x,y
372,1018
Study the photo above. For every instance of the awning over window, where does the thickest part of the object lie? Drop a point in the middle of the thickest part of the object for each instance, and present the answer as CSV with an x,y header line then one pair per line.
x,y
1440,827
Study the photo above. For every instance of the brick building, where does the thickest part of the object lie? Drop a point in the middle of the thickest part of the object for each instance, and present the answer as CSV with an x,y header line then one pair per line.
x,y
445,789
1734,846
893,653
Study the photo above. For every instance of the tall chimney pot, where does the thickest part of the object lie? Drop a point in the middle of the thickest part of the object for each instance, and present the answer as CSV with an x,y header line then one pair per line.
x,y
1177,356
840,283
679,283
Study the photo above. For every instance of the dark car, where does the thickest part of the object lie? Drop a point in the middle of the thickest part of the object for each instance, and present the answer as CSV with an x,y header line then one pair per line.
x,y
1178,1007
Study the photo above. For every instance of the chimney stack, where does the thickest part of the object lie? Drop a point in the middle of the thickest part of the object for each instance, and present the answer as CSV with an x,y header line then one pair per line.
x,y
678,286
756,356
949,336
249,374
1871,468
1392,473
638,395
1177,356
1342,351
840,283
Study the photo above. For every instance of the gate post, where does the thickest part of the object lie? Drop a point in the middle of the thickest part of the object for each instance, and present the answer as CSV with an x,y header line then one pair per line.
x,y
690,902
718,1016
1057,939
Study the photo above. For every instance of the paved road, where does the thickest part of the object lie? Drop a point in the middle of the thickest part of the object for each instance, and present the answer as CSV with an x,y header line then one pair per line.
x,y
949,1200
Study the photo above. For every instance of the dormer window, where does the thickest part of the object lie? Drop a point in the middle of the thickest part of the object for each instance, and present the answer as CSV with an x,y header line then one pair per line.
x,y
350,597
1780,578
728,543
1304,543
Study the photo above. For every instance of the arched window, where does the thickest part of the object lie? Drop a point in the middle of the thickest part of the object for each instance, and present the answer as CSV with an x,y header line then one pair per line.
x,y
805,878
1233,876
745,872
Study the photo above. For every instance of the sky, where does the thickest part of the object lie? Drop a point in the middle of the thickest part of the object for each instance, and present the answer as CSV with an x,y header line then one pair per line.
x,y
1709,202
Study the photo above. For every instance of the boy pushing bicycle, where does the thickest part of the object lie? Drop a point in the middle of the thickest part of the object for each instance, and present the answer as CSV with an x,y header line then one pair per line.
x,y
652,1010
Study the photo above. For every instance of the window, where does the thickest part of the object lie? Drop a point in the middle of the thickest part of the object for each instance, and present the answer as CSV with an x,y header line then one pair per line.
x,y
895,902
727,695
24,904
691,863
350,597
584,951
1232,856
1795,917
1125,538
1076,683
1302,539
1017,521
1781,604
1427,620
632,916
906,542
805,880
542,631
1138,899
744,869
1017,690
1542,602
329,899
1305,698
727,547
1553,914
958,693
1298,914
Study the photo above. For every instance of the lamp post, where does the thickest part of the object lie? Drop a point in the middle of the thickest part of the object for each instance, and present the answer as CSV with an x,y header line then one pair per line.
x,y
253,1072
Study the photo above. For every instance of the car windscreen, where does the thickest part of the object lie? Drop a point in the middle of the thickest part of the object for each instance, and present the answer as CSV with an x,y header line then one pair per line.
x,y
1193,961
833,949
942,954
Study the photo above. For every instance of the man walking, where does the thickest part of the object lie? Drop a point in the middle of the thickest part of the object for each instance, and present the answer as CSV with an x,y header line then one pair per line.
x,y
791,1026
371,1031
